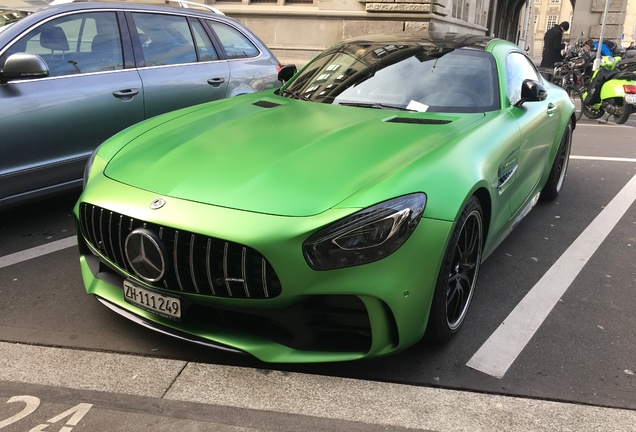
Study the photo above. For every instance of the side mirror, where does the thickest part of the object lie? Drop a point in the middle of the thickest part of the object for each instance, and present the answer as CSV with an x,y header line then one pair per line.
x,y
286,73
24,66
532,91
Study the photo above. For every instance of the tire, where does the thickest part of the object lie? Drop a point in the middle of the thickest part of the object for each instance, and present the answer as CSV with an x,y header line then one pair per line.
x,y
591,113
625,112
457,276
577,100
559,168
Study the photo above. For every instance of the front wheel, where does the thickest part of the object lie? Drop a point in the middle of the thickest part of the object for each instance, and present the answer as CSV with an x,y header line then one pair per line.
x,y
624,111
592,113
556,177
457,276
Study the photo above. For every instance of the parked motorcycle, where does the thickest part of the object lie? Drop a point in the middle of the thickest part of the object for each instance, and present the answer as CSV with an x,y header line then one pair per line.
x,y
612,90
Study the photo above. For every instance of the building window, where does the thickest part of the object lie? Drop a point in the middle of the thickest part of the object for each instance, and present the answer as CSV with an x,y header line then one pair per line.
x,y
552,19
555,1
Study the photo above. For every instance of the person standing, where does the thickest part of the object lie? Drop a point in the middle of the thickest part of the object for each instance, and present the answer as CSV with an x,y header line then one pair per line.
x,y
553,44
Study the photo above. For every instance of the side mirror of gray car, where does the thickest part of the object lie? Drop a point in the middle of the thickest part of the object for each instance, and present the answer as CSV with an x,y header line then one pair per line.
x,y
286,73
23,66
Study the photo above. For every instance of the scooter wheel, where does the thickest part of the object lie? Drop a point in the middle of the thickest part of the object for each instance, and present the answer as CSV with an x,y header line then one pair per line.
x,y
625,112
592,113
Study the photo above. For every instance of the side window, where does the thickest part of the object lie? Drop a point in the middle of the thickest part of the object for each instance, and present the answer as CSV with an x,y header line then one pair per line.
x,y
235,44
518,69
80,43
204,45
166,39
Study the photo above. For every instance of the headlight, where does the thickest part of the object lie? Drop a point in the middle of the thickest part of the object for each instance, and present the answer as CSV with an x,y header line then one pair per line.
x,y
365,236
88,166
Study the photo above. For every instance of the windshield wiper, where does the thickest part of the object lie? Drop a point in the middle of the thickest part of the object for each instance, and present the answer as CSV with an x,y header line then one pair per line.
x,y
294,94
376,106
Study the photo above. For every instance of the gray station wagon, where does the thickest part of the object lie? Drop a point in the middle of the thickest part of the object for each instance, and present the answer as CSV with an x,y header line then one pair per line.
x,y
74,74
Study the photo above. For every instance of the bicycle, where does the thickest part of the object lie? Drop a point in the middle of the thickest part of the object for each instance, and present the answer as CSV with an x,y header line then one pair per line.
x,y
570,76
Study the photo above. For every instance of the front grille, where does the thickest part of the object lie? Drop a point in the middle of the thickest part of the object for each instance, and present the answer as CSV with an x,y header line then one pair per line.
x,y
195,263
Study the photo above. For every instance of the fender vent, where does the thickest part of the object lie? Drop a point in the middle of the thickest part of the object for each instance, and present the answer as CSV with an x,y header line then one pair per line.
x,y
265,104
417,121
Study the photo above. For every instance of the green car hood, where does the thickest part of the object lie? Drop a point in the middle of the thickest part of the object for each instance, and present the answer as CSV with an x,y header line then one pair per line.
x,y
276,155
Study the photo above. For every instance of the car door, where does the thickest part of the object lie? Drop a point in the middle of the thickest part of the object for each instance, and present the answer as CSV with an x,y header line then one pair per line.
x,y
51,125
180,65
538,126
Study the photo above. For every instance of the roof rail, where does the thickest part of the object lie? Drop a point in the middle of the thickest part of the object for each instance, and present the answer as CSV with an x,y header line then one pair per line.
x,y
188,4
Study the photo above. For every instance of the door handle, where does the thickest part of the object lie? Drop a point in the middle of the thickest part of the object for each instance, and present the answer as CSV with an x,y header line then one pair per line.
x,y
126,94
551,109
215,82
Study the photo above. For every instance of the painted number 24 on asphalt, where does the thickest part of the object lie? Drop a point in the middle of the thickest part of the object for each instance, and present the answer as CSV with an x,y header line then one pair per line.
x,y
32,403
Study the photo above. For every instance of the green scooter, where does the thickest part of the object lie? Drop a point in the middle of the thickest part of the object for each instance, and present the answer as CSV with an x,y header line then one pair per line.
x,y
611,90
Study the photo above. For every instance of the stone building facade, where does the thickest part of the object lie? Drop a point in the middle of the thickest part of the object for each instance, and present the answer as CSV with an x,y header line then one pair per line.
x,y
297,30
587,17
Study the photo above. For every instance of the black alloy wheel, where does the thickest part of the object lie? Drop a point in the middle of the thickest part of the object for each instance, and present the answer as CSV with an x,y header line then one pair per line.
x,y
458,275
559,169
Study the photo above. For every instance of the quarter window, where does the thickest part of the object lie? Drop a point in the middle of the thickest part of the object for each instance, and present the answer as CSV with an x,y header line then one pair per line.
x,y
80,43
235,44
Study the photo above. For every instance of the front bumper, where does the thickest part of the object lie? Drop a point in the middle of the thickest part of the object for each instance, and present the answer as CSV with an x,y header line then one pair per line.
x,y
346,314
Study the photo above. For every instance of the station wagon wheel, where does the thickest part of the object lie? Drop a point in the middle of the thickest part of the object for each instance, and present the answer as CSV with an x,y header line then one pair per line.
x,y
458,275
559,168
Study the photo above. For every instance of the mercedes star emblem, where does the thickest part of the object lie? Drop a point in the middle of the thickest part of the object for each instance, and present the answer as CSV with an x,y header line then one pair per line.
x,y
158,203
145,255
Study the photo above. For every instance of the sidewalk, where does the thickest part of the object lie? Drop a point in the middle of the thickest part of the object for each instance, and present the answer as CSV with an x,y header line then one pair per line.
x,y
172,394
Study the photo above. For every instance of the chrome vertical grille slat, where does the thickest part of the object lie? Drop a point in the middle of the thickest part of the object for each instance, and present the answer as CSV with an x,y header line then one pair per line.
x,y
244,273
175,256
198,264
226,276
191,261
208,267
264,277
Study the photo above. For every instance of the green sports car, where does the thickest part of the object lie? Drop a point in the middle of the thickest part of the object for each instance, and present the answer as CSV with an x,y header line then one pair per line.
x,y
343,216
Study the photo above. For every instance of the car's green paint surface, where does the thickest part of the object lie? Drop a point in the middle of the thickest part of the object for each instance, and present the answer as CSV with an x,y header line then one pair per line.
x,y
270,177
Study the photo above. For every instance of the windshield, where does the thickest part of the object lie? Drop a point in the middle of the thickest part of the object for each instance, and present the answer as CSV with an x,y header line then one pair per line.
x,y
9,16
414,77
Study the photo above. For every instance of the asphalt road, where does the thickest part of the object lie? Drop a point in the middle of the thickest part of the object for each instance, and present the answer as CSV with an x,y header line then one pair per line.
x,y
580,250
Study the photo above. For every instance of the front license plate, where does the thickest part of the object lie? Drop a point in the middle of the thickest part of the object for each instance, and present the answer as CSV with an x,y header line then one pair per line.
x,y
166,306
630,99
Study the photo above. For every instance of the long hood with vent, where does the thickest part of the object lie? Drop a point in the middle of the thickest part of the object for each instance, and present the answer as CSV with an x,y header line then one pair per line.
x,y
269,154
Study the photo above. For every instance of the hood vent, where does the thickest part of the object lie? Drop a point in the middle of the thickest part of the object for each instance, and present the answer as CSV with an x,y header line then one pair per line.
x,y
417,121
266,104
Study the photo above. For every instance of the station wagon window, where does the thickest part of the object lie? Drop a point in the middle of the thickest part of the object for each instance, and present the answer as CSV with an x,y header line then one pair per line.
x,y
235,44
519,69
166,39
204,45
80,43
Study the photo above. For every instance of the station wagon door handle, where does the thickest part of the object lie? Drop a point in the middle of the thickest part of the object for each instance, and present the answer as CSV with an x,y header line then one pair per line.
x,y
215,82
126,94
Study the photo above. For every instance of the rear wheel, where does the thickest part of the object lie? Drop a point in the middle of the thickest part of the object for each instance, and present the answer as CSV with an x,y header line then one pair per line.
x,y
458,275
624,110
559,168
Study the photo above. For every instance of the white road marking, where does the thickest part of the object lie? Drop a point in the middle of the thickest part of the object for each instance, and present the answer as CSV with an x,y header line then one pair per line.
x,y
602,158
502,348
37,251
